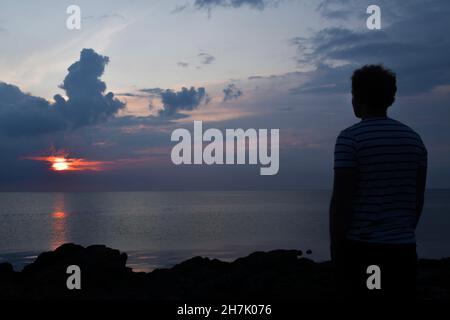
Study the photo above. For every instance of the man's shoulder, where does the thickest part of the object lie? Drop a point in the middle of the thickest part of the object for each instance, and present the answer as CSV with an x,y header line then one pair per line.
x,y
379,126
348,132
400,124
406,128
374,124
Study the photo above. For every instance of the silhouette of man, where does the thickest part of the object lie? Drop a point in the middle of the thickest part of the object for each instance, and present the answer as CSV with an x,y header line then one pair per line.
x,y
378,193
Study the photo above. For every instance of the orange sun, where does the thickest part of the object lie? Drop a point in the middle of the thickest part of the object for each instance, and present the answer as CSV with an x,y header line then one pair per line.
x,y
60,164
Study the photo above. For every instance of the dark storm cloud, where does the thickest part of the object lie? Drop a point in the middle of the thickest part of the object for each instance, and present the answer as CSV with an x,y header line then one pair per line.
x,y
413,45
206,58
326,80
231,92
185,99
87,102
172,102
22,114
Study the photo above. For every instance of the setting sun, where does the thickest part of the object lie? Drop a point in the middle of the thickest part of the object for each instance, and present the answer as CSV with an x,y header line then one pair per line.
x,y
60,164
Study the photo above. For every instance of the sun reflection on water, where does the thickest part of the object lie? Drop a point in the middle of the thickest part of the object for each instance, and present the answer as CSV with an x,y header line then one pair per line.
x,y
59,222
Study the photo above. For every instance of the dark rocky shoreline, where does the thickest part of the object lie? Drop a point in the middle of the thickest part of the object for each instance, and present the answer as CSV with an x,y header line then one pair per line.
x,y
274,275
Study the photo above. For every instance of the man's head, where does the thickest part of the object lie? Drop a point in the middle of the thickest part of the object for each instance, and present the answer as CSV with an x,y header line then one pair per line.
x,y
373,90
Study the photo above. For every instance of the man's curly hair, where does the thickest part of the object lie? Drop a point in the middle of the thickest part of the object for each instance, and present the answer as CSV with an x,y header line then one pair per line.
x,y
375,86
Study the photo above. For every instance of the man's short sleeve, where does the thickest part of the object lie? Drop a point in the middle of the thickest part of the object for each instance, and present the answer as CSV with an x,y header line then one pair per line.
x,y
345,151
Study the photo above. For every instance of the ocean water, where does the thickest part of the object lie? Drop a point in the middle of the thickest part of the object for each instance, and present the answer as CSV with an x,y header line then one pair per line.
x,y
160,229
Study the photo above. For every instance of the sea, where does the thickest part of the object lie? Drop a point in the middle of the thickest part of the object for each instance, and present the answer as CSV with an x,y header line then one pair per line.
x,y
161,229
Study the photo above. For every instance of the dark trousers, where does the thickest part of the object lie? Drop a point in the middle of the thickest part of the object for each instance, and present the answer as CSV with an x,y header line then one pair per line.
x,y
396,262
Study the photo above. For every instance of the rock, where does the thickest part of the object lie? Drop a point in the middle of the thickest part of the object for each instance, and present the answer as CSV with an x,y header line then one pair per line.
x,y
103,269
6,269
278,274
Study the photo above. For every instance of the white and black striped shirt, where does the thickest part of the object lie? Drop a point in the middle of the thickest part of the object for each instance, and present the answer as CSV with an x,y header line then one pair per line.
x,y
387,155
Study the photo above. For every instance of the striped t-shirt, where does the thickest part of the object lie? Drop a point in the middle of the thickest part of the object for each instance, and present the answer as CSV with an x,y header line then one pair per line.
x,y
386,154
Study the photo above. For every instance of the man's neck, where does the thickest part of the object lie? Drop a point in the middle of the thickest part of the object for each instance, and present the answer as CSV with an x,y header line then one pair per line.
x,y
369,115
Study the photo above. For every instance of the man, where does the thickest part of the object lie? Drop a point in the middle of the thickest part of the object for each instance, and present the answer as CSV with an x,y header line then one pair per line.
x,y
378,194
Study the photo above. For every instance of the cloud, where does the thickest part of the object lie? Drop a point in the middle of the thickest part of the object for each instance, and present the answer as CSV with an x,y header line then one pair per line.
x,y
172,101
326,80
206,58
210,4
130,94
87,104
113,15
23,114
231,92
179,8
185,99
255,78
336,9
346,10
183,64
152,91
413,46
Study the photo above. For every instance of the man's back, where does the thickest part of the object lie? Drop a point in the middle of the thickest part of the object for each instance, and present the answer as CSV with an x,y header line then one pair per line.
x,y
387,155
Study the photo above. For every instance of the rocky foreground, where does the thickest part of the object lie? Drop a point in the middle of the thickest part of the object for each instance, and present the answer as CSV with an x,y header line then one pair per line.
x,y
279,274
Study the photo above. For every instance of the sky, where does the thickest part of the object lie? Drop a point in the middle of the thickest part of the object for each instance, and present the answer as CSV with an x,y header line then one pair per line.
x,y
93,109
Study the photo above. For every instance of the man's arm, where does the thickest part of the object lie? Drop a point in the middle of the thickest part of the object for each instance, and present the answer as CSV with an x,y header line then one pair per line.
x,y
341,206
421,182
